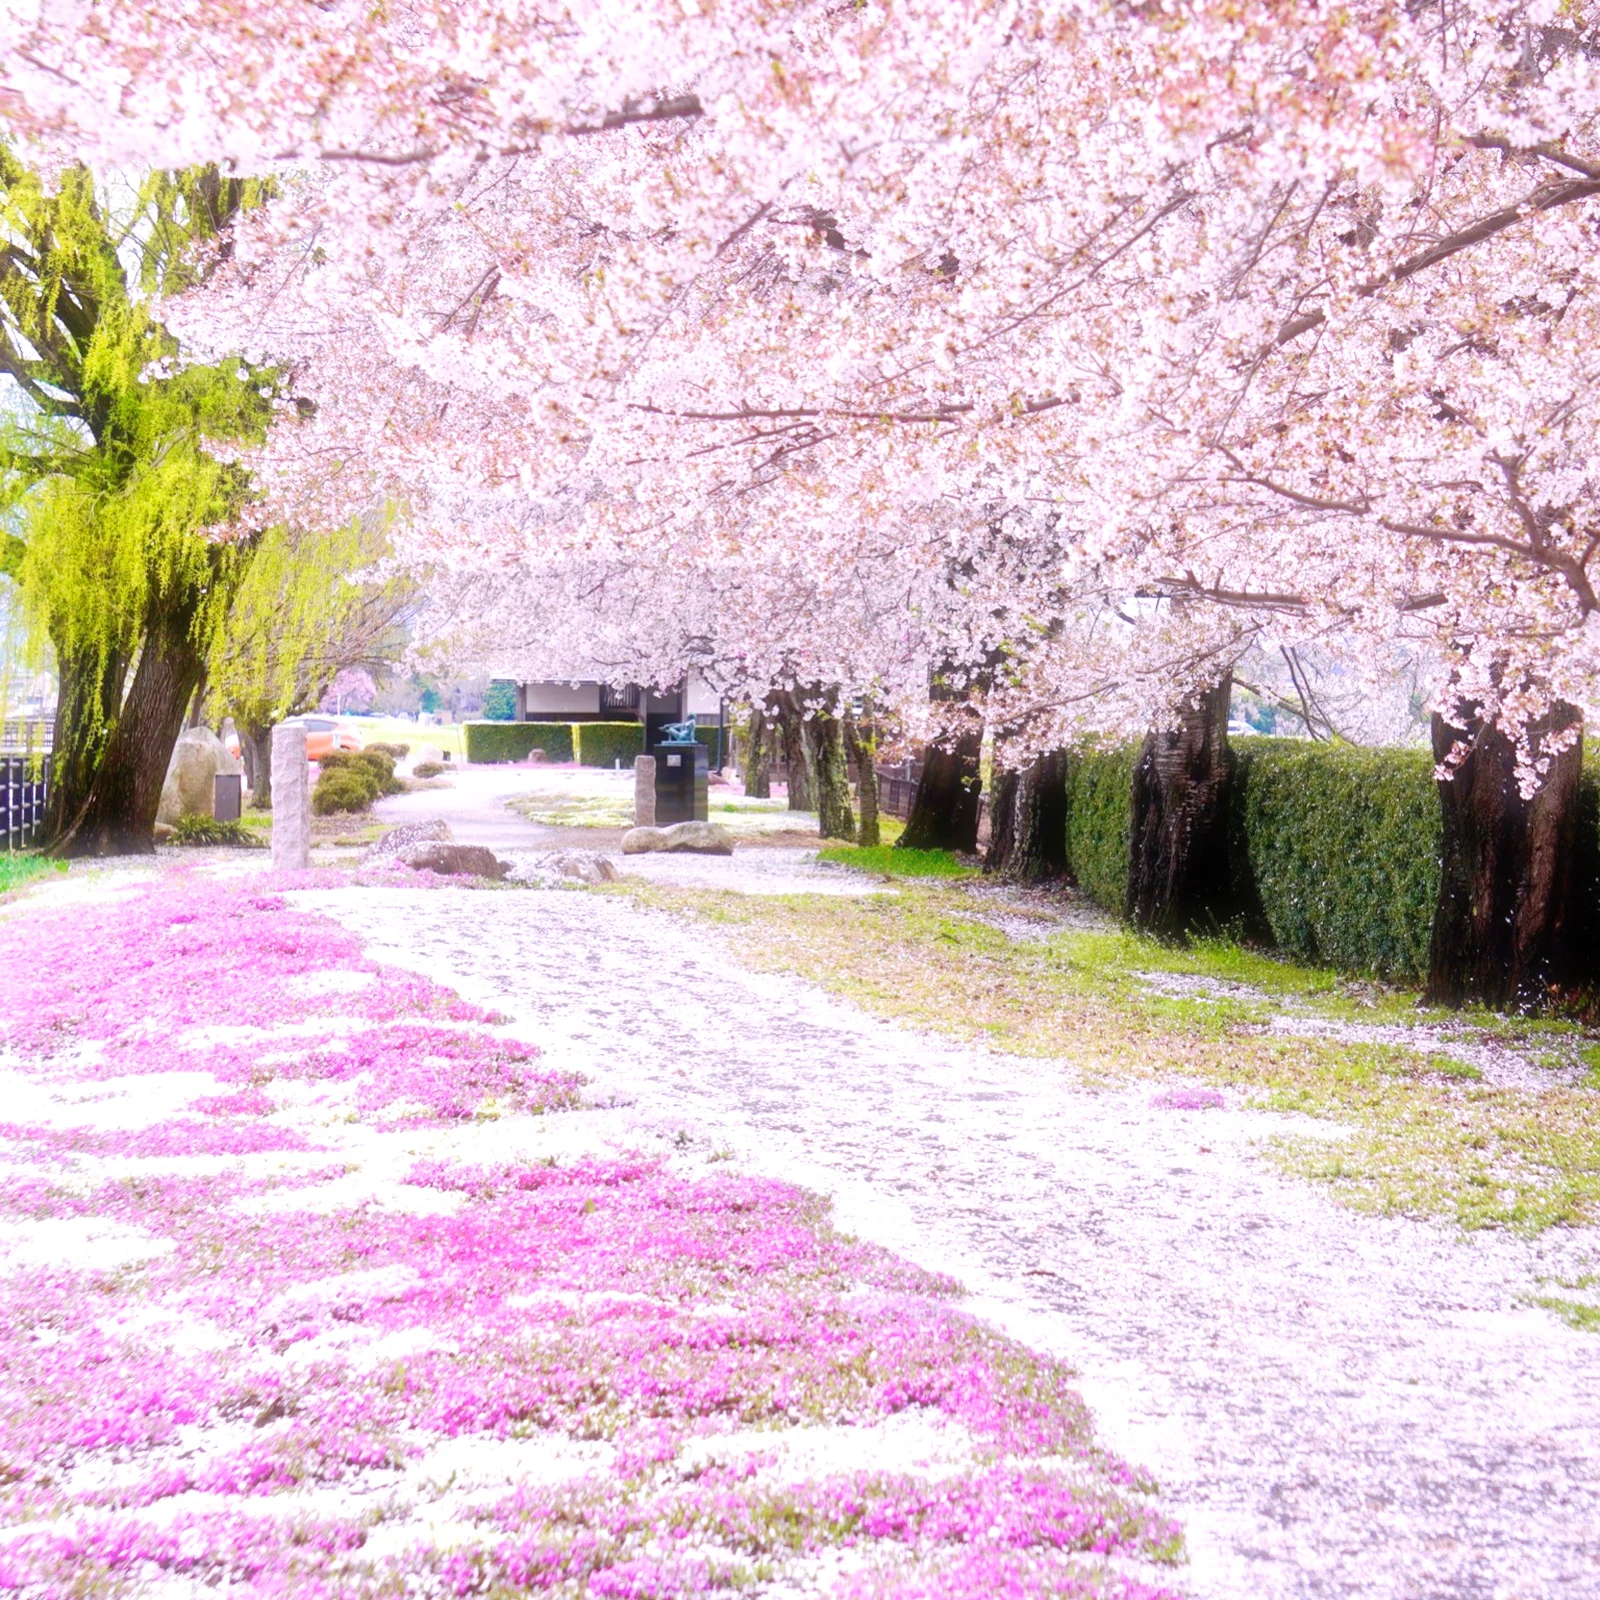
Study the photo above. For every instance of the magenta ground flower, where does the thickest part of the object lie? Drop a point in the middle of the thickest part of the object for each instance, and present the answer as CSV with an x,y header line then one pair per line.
x,y
292,1304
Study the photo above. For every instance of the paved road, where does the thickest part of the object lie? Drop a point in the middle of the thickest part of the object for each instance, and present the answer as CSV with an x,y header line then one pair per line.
x,y
1335,1406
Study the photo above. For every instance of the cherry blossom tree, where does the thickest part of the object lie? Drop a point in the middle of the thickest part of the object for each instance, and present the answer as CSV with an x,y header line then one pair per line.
x,y
1141,336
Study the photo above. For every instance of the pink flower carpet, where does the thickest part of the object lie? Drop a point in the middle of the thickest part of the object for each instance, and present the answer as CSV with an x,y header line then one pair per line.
x,y
293,1305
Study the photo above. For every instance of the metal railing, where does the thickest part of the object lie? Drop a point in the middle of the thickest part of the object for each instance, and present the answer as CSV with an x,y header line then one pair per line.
x,y
24,788
24,735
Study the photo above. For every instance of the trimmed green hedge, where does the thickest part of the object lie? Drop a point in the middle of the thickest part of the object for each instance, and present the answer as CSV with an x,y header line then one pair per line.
x,y
602,744
1337,847
1333,850
513,741
1099,821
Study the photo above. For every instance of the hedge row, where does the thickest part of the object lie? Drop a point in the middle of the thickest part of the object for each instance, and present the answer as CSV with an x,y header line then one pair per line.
x,y
515,741
603,744
1333,850
1336,850
1099,821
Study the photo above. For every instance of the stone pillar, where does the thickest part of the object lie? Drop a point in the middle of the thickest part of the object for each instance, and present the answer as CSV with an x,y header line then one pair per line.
x,y
291,800
644,791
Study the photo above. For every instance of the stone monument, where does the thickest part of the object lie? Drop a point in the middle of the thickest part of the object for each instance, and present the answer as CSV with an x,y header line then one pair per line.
x,y
291,800
644,791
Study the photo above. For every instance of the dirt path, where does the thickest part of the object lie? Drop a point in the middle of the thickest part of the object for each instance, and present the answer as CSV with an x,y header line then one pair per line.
x,y
1334,1406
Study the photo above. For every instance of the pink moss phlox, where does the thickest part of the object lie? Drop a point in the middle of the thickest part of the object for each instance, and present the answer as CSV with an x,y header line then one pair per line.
x,y
1188,1097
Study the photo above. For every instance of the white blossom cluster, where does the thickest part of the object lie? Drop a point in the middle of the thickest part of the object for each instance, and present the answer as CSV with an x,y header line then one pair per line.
x,y
1074,346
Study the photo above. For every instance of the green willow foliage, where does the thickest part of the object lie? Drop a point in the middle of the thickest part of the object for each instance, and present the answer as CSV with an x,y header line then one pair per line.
x,y
299,616
116,516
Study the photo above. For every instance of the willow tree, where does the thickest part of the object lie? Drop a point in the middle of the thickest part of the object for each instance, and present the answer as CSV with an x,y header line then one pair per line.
x,y
309,607
122,536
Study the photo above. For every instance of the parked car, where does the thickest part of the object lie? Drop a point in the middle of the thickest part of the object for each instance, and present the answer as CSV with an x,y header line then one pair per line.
x,y
324,735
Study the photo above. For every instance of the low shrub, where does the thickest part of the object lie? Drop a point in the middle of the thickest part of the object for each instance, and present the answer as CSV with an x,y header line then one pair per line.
x,y
396,752
343,789
427,769
603,744
513,741
198,830
375,760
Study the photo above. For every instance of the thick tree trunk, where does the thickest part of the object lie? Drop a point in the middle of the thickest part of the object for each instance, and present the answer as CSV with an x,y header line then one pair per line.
x,y
1178,847
834,817
86,711
255,747
119,815
1030,844
1501,934
796,752
1002,820
862,744
944,810
758,756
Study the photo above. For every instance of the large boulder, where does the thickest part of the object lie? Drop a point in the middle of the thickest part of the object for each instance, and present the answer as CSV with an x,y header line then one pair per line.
x,y
427,755
696,838
394,844
197,758
456,860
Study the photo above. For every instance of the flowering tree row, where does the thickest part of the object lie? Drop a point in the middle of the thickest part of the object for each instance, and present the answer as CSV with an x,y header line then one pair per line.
x,y
1118,339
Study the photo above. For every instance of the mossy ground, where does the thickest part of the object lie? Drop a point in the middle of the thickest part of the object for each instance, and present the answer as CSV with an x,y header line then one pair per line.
x,y
1426,1137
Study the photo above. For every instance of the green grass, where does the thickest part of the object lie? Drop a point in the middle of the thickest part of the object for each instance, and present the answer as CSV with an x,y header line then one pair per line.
x,y
890,861
1422,1136
398,730
22,867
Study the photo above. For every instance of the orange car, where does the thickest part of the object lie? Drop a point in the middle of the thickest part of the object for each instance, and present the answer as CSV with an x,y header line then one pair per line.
x,y
324,736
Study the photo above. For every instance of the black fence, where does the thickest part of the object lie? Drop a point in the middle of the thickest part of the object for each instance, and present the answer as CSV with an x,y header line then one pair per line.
x,y
24,784
897,788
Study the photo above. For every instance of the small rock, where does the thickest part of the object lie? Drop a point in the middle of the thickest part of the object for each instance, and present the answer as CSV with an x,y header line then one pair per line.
x,y
397,841
587,865
456,860
697,838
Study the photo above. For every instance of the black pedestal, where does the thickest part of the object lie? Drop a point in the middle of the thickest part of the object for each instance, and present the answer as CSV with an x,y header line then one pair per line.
x,y
681,771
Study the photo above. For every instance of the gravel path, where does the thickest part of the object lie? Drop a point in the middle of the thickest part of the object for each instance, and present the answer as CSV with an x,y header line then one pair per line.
x,y
1334,1406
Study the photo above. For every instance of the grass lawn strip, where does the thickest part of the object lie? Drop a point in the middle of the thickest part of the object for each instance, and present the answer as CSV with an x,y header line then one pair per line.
x,y
1425,1137
316,1282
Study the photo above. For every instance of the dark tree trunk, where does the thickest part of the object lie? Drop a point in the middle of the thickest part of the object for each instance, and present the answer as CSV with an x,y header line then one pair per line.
x,y
944,810
86,711
1501,931
834,817
1178,846
1002,820
119,815
255,746
758,756
1033,847
862,744
796,752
